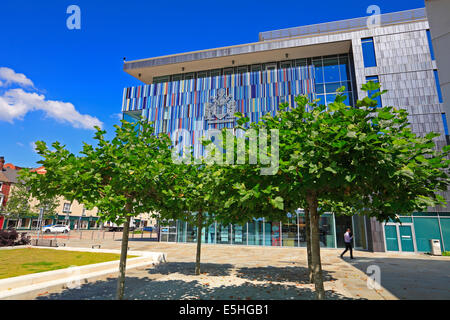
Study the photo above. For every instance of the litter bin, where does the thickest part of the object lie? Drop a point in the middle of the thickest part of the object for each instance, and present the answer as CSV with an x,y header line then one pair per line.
x,y
435,245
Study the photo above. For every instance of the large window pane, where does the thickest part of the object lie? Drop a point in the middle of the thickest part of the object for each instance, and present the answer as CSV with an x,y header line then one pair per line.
x,y
302,229
240,234
255,232
342,223
289,231
191,233
318,71
331,70
209,234
223,234
326,229
181,226
344,68
272,234
359,231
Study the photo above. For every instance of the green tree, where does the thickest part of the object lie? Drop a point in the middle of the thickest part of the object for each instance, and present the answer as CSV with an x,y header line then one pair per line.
x,y
122,177
18,204
365,159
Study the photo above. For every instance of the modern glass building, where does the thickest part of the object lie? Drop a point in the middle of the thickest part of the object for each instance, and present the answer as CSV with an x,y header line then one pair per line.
x,y
178,91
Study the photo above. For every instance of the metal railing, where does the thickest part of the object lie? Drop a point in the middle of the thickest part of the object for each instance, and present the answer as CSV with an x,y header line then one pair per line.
x,y
343,25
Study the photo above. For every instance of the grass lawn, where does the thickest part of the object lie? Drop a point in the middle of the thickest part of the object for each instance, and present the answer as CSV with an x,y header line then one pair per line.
x,y
19,262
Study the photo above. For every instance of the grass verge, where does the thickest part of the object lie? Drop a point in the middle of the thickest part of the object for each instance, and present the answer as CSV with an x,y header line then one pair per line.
x,y
19,262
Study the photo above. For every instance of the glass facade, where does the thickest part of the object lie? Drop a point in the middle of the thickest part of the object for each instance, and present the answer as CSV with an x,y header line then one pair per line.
x,y
260,232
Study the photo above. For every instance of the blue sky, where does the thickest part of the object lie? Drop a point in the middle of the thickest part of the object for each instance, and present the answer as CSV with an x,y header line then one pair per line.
x,y
56,83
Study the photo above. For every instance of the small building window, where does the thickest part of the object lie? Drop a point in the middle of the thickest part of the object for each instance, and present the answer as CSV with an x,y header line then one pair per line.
x,y
161,79
255,68
444,121
242,69
368,51
228,71
378,99
202,74
438,86
189,76
430,44
216,72
177,77
66,208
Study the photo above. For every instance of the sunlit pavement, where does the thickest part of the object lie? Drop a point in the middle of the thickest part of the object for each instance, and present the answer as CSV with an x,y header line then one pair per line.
x,y
244,272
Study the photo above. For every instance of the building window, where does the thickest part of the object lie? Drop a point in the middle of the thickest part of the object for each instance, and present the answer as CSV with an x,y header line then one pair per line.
x,y
378,99
66,208
438,86
177,77
161,79
216,72
243,69
430,44
368,52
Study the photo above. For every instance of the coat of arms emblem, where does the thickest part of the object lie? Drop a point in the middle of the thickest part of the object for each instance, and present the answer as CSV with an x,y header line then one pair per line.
x,y
221,109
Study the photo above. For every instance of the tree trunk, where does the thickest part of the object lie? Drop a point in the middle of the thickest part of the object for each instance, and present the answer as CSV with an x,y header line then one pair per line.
x,y
199,242
123,260
308,244
315,246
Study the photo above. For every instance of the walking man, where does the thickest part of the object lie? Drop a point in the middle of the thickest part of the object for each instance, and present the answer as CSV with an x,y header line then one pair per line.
x,y
348,237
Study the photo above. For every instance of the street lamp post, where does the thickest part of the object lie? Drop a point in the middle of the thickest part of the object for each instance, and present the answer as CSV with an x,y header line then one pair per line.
x,y
39,223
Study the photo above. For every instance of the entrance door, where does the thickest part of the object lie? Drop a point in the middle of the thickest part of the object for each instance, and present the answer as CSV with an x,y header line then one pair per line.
x,y
391,236
406,238
399,237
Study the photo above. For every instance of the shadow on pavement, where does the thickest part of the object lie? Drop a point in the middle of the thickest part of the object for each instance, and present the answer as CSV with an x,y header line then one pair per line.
x,y
188,268
279,274
146,289
409,278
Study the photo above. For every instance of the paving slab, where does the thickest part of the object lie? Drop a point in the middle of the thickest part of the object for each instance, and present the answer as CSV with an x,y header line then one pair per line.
x,y
246,272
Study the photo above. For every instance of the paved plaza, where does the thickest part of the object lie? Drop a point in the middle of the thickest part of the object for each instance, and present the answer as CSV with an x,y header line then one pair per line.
x,y
249,273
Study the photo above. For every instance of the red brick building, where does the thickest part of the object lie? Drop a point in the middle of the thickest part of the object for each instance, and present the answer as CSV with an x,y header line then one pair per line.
x,y
8,177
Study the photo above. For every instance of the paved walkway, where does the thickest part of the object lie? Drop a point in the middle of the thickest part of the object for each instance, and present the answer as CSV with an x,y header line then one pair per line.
x,y
242,272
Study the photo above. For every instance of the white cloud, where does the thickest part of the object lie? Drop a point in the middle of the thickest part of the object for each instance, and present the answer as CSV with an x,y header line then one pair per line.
x,y
33,146
16,103
11,77
20,144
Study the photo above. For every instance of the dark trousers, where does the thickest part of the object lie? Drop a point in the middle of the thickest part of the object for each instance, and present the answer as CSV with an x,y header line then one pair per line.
x,y
348,246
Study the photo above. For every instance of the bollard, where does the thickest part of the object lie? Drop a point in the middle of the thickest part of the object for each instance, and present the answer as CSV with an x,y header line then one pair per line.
x,y
92,235
103,234
114,235
142,234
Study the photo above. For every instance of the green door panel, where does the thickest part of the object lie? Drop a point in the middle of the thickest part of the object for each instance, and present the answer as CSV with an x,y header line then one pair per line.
x,y
391,238
406,238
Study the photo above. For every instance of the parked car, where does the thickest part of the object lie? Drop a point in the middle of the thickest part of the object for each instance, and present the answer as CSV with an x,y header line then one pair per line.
x,y
56,228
